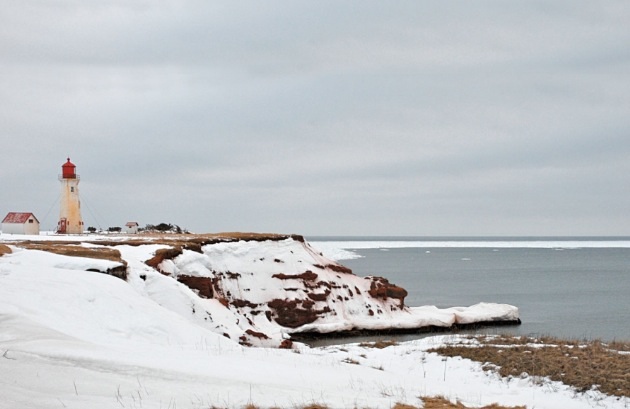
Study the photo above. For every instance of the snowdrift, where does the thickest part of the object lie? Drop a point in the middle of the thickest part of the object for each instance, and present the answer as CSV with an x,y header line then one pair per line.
x,y
171,335
256,290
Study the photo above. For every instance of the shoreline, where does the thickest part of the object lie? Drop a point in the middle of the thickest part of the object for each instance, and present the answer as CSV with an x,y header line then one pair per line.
x,y
303,293
430,329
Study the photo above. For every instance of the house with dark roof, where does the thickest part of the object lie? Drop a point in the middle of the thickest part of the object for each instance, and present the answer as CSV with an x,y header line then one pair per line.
x,y
20,223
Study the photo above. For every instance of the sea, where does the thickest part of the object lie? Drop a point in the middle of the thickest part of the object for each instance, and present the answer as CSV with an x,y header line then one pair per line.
x,y
570,287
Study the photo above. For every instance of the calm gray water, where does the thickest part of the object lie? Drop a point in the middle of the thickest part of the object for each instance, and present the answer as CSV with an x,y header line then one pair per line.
x,y
577,293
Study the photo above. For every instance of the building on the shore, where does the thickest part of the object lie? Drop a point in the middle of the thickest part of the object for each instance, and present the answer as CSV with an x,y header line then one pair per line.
x,y
20,223
131,227
70,221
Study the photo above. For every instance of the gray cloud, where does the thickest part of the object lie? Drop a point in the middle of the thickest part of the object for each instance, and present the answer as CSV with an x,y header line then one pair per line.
x,y
413,118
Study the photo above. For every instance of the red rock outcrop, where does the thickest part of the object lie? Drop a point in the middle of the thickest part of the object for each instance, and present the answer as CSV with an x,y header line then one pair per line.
x,y
243,303
319,296
308,275
202,284
381,288
286,344
295,313
256,334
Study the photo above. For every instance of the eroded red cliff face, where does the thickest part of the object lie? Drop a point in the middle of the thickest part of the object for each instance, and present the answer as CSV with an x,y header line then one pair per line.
x,y
203,285
295,313
382,288
282,282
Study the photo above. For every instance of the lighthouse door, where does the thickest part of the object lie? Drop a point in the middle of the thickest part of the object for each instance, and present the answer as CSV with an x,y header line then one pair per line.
x,y
63,223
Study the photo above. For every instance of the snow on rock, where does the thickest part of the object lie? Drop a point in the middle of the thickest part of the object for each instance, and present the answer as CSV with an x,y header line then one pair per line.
x,y
485,312
256,289
72,338
283,286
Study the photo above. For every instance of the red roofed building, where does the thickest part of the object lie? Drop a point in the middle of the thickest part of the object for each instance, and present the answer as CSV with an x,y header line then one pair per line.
x,y
20,223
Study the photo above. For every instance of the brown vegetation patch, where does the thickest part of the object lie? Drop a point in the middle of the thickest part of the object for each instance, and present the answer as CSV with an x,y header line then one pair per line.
x,y
196,247
380,344
178,243
198,238
582,365
4,250
429,403
439,402
75,250
196,241
254,236
163,254
187,241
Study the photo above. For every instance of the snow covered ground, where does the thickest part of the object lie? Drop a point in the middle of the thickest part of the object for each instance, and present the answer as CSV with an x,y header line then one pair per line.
x,y
70,338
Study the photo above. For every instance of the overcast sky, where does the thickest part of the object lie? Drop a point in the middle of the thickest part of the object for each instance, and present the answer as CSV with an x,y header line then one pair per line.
x,y
321,117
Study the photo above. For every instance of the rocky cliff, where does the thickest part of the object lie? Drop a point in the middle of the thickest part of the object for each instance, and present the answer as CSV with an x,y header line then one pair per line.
x,y
259,289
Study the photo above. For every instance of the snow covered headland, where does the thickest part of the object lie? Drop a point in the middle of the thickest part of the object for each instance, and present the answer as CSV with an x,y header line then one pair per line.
x,y
255,289
174,331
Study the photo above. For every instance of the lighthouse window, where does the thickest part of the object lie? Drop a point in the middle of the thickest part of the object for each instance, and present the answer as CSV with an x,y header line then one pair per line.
x,y
72,188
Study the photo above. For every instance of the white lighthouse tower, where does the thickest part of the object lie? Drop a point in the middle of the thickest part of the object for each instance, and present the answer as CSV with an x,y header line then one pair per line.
x,y
70,221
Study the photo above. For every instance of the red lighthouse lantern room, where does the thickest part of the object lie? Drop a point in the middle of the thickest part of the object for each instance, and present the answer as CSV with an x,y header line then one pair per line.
x,y
68,170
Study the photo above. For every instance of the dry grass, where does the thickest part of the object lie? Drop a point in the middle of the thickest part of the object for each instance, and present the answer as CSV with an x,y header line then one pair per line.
x,y
4,250
189,241
188,238
582,365
439,402
311,406
379,344
74,250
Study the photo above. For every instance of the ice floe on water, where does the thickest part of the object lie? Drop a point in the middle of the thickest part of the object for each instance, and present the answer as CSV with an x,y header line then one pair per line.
x,y
343,250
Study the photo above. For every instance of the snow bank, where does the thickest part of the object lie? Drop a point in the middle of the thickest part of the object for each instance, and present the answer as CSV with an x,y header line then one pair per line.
x,y
287,287
255,292
75,339
485,312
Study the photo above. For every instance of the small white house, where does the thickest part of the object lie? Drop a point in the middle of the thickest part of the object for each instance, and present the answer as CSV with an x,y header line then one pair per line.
x,y
131,228
20,223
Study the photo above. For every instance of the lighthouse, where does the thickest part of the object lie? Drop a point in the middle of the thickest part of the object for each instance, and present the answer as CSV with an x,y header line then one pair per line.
x,y
70,221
